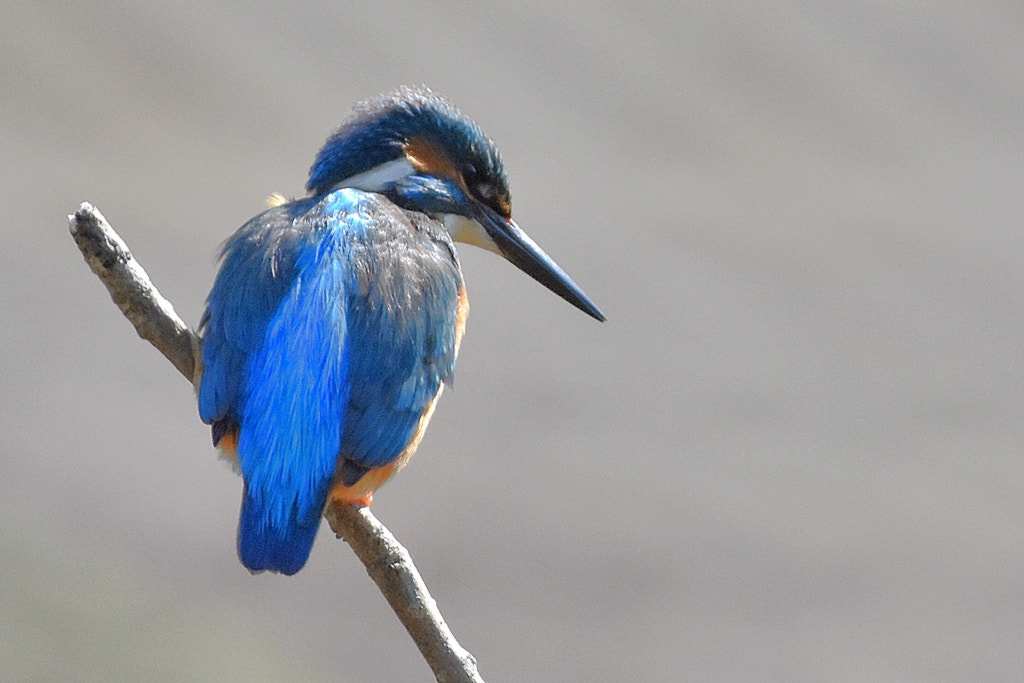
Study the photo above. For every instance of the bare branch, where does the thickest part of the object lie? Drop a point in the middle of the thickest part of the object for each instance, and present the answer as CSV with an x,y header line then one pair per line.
x,y
387,562
391,568
131,289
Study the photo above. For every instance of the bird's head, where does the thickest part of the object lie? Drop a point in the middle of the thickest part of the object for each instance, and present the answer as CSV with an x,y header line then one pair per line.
x,y
417,148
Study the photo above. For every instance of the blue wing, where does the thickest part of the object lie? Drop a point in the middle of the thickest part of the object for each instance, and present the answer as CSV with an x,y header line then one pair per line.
x,y
258,267
275,374
401,333
327,333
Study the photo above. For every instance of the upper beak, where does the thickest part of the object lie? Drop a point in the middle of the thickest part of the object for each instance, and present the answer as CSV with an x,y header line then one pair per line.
x,y
517,247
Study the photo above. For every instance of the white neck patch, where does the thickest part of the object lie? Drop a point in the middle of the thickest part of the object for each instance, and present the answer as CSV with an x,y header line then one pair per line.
x,y
379,178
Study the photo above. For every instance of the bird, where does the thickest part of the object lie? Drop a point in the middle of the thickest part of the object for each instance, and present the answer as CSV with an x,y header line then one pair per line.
x,y
334,319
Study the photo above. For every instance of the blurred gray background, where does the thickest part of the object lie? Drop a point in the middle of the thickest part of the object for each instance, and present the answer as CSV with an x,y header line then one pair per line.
x,y
793,453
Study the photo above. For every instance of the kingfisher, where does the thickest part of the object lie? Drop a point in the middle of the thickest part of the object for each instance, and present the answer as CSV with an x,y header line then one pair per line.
x,y
334,320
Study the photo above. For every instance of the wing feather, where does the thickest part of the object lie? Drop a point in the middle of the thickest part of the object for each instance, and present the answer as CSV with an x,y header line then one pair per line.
x,y
328,332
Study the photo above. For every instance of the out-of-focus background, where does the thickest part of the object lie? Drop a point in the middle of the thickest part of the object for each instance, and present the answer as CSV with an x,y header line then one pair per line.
x,y
792,453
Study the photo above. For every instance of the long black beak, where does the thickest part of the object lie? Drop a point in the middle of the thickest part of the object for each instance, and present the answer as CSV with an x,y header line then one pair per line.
x,y
517,247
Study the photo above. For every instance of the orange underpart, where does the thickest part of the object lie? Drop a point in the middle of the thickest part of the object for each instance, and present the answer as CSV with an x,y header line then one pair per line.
x,y
362,490
228,446
366,501
229,441
461,313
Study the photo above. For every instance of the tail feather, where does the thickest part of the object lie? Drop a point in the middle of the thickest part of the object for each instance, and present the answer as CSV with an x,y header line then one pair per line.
x,y
263,546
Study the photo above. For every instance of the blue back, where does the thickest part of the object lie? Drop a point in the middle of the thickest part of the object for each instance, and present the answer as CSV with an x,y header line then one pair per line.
x,y
328,331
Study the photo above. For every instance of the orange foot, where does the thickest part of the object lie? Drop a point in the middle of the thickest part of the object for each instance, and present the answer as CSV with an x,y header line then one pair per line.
x,y
339,497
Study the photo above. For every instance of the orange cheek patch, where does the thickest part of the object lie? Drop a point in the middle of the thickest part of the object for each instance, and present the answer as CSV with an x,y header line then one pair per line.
x,y
427,157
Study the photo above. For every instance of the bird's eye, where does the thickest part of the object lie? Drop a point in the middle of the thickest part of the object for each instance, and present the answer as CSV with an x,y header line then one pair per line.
x,y
485,191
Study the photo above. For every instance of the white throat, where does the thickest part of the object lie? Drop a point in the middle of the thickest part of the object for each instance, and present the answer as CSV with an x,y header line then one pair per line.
x,y
468,231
